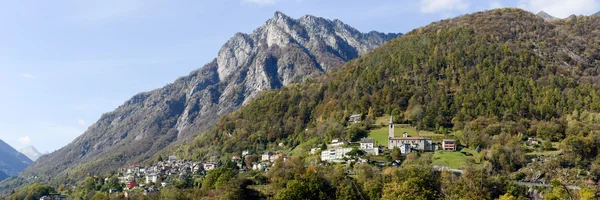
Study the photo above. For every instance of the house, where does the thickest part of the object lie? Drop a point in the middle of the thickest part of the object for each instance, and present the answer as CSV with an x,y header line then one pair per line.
x,y
131,184
368,145
337,143
417,143
165,184
405,149
277,156
355,118
258,166
126,179
449,145
335,154
533,141
172,158
152,178
210,166
266,156
54,197
236,159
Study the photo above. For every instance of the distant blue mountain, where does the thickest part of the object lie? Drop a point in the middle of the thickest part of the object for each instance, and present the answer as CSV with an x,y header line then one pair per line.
x,y
11,160
3,176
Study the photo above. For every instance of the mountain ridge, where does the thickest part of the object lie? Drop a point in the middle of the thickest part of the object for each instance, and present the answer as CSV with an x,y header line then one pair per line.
x,y
444,76
280,52
11,160
31,152
546,16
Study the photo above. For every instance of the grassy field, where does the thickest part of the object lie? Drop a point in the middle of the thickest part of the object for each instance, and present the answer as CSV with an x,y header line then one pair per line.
x,y
456,159
381,134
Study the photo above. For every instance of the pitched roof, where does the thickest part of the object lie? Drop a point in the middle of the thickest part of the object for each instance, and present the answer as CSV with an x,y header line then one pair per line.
x,y
367,140
409,138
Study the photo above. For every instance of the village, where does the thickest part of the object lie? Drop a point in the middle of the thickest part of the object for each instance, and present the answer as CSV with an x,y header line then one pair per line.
x,y
160,174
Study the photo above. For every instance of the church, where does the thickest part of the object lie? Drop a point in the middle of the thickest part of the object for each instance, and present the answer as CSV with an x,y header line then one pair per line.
x,y
408,143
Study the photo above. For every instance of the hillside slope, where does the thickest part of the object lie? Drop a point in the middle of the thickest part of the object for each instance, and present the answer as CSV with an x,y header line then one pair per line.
x,y
280,52
505,64
11,161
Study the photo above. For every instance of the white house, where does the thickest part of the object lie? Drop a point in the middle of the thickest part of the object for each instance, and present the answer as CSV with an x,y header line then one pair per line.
x,y
405,148
151,178
368,145
172,158
334,154
266,156
337,142
210,166
354,118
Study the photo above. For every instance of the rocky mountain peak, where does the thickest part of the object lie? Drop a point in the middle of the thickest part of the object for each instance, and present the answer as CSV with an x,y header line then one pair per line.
x,y
545,15
280,52
31,152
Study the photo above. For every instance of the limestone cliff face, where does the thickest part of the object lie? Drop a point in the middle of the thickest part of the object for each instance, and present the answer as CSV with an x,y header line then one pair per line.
x,y
280,52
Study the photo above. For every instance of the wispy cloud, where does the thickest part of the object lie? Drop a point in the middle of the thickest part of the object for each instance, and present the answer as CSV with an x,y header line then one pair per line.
x,y
561,8
82,122
25,140
434,6
27,76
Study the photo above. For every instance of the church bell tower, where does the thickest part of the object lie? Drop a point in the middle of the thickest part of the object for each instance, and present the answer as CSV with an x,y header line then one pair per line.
x,y
391,128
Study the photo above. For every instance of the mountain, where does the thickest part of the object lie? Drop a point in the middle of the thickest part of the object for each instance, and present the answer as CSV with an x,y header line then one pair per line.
x,y
280,52
31,152
499,71
12,161
598,13
546,16
3,175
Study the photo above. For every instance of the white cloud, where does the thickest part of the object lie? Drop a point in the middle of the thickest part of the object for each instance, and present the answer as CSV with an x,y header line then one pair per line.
x,y
432,6
561,8
27,76
81,122
261,2
25,140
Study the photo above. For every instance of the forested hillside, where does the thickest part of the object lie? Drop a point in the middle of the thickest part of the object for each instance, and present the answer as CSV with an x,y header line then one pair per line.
x,y
504,65
520,94
280,52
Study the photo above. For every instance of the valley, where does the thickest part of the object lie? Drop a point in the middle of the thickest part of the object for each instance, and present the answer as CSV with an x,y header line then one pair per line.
x,y
495,104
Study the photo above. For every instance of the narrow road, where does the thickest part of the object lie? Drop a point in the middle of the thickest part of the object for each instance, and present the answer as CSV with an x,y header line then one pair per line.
x,y
572,187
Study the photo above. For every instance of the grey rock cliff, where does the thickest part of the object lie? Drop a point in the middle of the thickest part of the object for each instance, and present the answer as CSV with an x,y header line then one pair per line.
x,y
545,15
280,52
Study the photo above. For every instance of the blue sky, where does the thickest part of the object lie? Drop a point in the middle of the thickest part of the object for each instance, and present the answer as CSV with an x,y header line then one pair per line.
x,y
65,62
